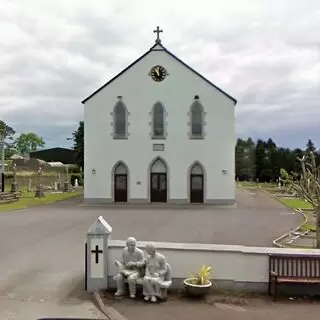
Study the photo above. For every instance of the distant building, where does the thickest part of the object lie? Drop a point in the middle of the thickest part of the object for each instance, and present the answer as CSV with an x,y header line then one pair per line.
x,y
63,155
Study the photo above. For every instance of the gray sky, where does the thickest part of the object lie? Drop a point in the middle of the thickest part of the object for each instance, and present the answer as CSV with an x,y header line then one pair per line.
x,y
264,53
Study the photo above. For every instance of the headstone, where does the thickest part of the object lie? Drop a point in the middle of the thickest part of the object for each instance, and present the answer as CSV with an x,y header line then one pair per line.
x,y
59,181
39,188
29,185
66,186
96,264
14,185
55,186
76,184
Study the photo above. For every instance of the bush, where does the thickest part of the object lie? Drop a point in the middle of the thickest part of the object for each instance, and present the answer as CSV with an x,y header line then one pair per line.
x,y
75,176
74,169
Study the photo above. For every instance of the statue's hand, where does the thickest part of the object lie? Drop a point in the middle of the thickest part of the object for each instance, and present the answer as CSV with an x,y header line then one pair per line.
x,y
131,264
156,274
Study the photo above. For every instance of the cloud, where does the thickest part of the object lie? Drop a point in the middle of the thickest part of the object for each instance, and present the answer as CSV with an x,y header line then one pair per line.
x,y
264,53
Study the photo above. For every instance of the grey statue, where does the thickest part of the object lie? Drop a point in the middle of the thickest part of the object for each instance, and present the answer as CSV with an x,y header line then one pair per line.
x,y
131,268
155,275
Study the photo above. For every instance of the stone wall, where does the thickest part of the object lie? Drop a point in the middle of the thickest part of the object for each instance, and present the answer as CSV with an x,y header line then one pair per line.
x,y
238,268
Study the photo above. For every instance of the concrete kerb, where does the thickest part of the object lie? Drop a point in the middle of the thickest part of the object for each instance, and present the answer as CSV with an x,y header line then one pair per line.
x,y
277,240
110,312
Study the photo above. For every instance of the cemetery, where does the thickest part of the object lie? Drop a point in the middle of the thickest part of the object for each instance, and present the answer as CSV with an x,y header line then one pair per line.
x,y
29,180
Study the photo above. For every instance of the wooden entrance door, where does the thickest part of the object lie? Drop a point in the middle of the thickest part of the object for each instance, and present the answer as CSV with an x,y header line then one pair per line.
x,y
158,181
120,184
158,187
196,184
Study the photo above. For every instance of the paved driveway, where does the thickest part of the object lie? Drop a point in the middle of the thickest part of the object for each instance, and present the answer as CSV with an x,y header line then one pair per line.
x,y
42,248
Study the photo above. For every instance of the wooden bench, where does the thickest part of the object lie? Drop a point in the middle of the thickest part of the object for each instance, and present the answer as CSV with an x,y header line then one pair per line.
x,y
164,285
286,268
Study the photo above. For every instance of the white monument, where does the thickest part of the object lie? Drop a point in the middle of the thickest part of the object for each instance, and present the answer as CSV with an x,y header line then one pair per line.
x,y
96,263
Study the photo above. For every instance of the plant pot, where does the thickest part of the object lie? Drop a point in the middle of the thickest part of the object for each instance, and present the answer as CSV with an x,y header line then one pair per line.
x,y
196,290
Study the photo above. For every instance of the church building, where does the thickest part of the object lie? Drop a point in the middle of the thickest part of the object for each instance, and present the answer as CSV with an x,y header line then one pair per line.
x,y
159,132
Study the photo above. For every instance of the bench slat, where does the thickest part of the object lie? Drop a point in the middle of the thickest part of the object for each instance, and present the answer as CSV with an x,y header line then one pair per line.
x,y
295,266
298,280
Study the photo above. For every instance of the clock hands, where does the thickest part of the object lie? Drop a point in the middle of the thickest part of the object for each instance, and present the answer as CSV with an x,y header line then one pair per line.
x,y
158,73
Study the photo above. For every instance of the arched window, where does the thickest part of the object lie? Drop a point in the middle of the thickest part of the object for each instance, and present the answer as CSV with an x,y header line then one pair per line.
x,y
196,169
120,120
196,120
158,121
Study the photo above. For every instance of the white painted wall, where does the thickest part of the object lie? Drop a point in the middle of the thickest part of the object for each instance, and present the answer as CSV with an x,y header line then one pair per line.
x,y
176,92
230,263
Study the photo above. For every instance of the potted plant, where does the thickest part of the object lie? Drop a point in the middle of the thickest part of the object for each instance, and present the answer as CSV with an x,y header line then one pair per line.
x,y
199,284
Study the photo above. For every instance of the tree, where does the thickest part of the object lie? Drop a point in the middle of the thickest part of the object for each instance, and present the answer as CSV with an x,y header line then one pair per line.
x,y
78,144
6,134
310,147
307,186
28,142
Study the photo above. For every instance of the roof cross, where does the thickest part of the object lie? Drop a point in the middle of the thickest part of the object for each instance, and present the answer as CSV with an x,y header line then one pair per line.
x,y
158,31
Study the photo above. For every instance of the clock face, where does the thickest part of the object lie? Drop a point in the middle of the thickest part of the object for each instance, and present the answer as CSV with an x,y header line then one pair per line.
x,y
158,73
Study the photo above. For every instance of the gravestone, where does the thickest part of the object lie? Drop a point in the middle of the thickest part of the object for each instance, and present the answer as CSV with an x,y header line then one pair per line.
x,y
39,188
76,184
29,185
66,184
14,185
96,259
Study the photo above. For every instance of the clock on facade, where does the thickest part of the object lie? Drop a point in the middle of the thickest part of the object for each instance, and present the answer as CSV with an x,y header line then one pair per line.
x,y
158,73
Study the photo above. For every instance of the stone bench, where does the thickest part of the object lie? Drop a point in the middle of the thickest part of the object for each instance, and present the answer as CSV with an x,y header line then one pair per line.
x,y
165,285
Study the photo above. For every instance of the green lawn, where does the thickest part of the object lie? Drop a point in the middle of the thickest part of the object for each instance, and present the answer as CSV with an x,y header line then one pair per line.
x,y
248,184
28,200
295,203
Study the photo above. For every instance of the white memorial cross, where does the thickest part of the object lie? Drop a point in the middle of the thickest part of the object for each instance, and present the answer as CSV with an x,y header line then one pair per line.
x,y
97,255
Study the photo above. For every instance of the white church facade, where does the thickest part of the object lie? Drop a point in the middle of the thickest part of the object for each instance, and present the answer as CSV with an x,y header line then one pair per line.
x,y
159,132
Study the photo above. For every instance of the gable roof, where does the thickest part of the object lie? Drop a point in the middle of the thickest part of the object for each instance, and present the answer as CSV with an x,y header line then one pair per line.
x,y
159,47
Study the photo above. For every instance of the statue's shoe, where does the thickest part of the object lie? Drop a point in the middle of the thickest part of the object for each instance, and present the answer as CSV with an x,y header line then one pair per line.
x,y
146,298
153,299
119,293
132,296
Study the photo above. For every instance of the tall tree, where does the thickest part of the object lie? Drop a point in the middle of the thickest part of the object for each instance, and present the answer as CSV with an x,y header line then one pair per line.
x,y
78,143
28,142
6,134
310,147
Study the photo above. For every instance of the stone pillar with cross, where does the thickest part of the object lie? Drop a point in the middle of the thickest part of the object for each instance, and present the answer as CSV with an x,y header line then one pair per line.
x,y
96,259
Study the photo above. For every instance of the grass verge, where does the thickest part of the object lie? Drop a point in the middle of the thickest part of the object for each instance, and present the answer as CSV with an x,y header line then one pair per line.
x,y
295,203
248,184
29,201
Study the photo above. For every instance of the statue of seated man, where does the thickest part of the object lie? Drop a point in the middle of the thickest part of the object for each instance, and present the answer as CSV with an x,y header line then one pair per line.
x,y
155,274
131,268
